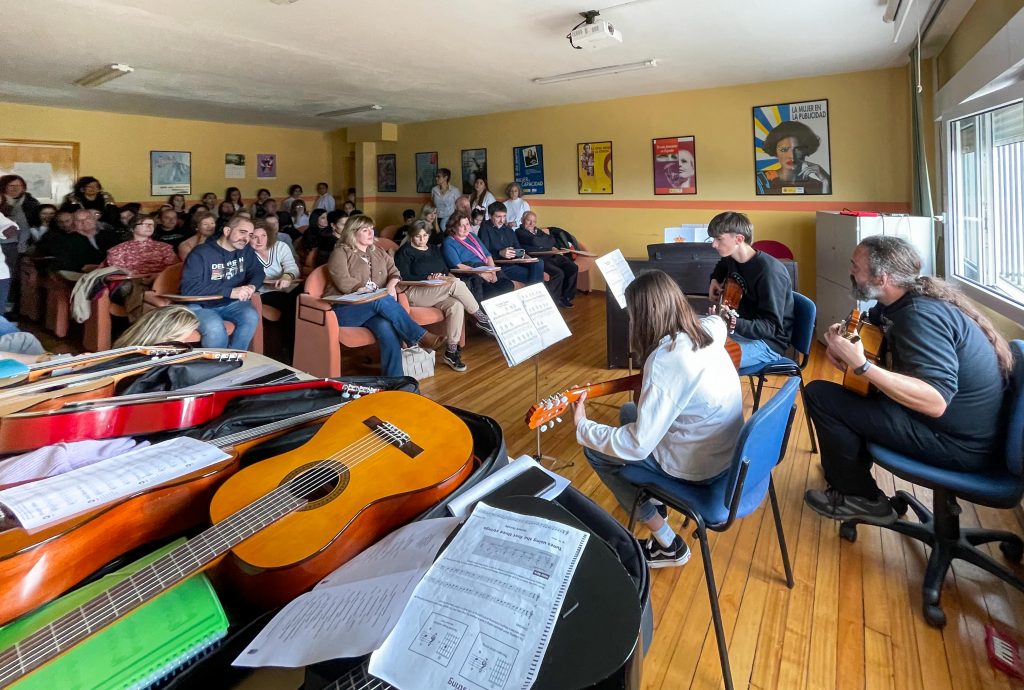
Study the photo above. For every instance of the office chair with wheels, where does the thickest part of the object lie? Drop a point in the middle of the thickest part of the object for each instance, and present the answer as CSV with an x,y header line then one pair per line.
x,y
939,528
761,445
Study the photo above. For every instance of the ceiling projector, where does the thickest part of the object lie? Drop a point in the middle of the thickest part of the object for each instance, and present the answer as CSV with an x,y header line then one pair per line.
x,y
595,35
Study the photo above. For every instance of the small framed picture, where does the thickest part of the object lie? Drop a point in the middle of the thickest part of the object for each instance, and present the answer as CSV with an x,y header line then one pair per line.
x,y
387,176
675,165
170,172
426,170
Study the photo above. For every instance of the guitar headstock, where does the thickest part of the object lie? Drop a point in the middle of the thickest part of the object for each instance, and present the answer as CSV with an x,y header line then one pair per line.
x,y
548,412
851,326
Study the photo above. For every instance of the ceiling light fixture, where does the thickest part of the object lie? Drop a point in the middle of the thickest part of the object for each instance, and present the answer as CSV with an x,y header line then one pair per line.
x,y
597,72
352,111
105,74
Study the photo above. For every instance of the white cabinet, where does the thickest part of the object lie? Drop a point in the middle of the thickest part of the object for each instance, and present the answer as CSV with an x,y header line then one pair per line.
x,y
838,235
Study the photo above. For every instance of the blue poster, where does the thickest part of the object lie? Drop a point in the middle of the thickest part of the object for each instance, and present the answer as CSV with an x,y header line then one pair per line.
x,y
528,168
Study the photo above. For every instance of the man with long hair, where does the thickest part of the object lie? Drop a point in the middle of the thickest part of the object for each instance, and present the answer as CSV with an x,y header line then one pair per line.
x,y
939,396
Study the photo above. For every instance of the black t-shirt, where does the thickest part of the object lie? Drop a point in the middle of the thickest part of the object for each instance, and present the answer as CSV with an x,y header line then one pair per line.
x,y
417,264
766,308
932,340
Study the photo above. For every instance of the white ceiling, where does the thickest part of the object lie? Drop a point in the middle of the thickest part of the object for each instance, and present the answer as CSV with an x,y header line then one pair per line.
x,y
253,61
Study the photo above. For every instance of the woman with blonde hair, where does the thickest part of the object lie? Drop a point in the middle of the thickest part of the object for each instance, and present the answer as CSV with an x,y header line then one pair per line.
x,y
357,266
687,416
429,215
173,324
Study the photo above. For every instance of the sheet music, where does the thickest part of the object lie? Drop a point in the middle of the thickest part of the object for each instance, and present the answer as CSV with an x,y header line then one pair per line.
x,y
48,501
356,297
525,322
617,274
483,615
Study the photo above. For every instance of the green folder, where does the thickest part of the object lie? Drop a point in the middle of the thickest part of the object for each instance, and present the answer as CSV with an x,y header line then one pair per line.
x,y
138,650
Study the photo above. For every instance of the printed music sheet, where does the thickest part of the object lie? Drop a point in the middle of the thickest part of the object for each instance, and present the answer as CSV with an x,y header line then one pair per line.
x,y
483,615
617,274
525,322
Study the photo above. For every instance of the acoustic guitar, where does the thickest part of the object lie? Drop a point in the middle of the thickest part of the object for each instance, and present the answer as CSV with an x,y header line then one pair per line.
x,y
729,301
36,567
855,328
290,520
60,366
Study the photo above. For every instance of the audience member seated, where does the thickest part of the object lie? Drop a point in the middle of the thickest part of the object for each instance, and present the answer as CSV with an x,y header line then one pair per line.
x,y
417,259
324,200
40,223
325,240
173,324
462,249
177,202
350,208
234,196
294,194
408,218
515,205
20,207
481,197
204,224
502,243
225,212
561,270
275,223
229,269
7,227
142,256
209,200
256,208
299,217
77,250
462,206
356,265
444,196
169,231
428,214
279,274
45,245
476,219
318,225
284,220
88,193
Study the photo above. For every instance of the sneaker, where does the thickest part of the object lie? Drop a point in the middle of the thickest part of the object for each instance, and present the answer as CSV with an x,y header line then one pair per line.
x,y
486,327
452,359
838,506
565,304
659,556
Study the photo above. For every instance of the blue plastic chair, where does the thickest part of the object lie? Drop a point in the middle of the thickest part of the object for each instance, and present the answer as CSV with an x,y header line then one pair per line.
x,y
804,314
939,528
761,445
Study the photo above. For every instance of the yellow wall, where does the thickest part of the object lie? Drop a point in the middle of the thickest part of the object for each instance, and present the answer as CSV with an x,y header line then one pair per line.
x,y
981,23
870,159
115,149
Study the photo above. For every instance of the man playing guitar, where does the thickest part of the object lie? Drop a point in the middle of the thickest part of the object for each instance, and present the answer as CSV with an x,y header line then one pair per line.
x,y
939,400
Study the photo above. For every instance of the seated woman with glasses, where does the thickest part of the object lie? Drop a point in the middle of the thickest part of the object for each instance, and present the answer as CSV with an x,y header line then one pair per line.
x,y
463,250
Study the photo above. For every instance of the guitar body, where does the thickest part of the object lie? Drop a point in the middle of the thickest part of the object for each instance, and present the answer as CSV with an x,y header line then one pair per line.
x,y
380,487
871,336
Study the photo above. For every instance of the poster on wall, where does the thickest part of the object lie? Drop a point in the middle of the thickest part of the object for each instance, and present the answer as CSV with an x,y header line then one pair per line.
x,y
387,176
528,168
594,167
234,166
170,172
791,148
266,166
474,165
675,165
38,179
426,170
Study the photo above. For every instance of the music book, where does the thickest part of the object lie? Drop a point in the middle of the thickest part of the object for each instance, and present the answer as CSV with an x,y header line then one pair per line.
x,y
191,298
617,274
137,650
356,297
525,322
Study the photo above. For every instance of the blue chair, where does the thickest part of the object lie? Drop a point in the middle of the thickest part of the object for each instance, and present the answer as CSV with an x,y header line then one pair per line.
x,y
804,315
1001,487
737,493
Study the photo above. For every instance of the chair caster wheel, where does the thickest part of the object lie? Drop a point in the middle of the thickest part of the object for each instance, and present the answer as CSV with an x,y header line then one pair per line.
x,y
1012,550
934,615
900,505
848,531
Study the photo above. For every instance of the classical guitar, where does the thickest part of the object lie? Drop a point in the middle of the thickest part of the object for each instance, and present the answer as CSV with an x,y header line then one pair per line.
x,y
729,301
60,366
134,415
855,328
290,520
37,566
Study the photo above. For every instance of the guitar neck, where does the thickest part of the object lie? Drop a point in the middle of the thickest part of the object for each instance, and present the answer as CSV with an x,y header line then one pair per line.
x,y
597,390
275,427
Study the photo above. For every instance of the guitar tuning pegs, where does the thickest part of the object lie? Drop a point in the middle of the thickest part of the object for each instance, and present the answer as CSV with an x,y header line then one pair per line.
x,y
543,428
345,395
356,396
565,400
558,419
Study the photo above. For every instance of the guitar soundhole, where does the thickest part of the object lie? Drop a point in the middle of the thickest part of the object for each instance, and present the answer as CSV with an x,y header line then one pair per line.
x,y
317,482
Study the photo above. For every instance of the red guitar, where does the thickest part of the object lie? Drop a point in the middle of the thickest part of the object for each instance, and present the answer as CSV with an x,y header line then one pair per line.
x,y
136,415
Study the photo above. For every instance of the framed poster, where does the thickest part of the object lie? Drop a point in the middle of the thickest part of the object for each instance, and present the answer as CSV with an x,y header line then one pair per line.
x,y
474,165
791,148
50,168
387,176
675,165
234,166
594,167
426,170
266,166
170,172
528,168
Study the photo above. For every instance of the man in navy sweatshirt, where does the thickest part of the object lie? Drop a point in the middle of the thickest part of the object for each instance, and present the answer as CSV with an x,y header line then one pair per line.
x,y
501,241
229,269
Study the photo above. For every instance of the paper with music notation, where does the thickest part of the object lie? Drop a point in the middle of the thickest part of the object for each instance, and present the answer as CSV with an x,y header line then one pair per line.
x,y
55,499
525,322
617,274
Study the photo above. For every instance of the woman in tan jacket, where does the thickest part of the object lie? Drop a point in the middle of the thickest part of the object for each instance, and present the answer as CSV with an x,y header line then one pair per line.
x,y
356,266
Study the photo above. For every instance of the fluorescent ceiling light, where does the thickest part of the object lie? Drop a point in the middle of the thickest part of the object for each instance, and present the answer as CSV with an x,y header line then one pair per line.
x,y
352,111
105,74
597,72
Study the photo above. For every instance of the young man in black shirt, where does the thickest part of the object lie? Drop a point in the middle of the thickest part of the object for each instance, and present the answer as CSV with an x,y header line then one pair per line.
x,y
939,394
764,323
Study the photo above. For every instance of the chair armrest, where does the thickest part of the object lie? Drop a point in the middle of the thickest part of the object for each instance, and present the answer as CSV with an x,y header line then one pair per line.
x,y
314,302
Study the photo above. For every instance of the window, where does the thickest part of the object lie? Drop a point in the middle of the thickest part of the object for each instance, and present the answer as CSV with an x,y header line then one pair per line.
x,y
986,196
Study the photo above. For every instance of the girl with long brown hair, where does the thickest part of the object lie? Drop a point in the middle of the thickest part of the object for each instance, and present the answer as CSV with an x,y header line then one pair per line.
x,y
687,416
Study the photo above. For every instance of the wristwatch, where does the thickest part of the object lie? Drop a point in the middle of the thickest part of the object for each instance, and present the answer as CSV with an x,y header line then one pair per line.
x,y
863,368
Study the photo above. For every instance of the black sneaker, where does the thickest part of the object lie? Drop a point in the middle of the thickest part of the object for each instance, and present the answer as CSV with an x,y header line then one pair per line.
x,y
833,504
486,327
452,359
659,556
566,304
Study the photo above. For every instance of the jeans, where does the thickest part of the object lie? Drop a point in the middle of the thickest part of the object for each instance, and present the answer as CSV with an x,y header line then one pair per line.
x,y
754,352
524,273
211,324
390,325
5,289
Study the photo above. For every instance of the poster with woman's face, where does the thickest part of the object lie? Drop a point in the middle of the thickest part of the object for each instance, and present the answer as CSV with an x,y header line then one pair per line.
x,y
675,165
594,167
791,148
474,165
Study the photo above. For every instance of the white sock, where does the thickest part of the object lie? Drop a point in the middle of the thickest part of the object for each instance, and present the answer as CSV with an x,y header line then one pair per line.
x,y
664,536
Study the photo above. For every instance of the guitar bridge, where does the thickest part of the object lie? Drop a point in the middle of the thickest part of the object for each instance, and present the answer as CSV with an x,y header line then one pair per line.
x,y
393,435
